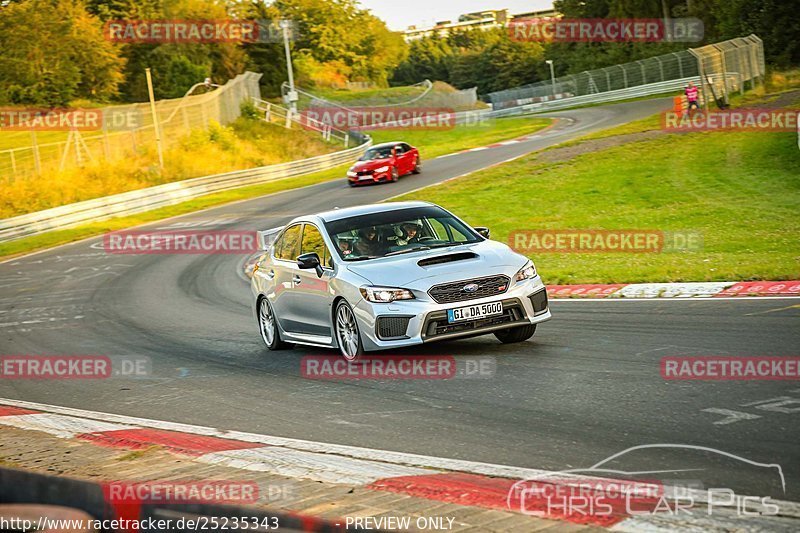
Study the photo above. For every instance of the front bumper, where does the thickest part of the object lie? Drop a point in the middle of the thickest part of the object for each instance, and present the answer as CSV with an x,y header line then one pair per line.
x,y
523,303
370,178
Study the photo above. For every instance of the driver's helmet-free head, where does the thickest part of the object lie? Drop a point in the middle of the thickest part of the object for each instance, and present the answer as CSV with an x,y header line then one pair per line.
x,y
370,233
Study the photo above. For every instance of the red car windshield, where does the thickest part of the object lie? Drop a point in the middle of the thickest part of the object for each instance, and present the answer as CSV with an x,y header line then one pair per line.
x,y
380,152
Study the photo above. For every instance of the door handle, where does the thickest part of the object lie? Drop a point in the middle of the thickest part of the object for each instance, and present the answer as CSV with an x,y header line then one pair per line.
x,y
296,279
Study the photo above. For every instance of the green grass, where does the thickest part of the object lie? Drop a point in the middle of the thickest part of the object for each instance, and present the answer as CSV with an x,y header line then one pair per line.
x,y
351,95
740,190
440,142
433,143
245,143
54,238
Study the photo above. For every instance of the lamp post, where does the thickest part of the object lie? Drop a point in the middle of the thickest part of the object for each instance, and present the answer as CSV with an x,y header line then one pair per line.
x,y
552,76
292,96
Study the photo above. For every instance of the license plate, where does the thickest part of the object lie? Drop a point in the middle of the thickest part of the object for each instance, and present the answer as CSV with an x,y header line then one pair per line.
x,y
474,312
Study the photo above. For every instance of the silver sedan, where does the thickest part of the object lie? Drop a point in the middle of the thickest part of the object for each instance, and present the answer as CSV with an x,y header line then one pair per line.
x,y
390,275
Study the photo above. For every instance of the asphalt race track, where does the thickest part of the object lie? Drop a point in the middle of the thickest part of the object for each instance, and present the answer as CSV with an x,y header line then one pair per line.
x,y
586,387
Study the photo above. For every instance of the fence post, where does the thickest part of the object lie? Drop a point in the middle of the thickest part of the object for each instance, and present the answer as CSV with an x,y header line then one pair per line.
x,y
37,162
347,139
13,163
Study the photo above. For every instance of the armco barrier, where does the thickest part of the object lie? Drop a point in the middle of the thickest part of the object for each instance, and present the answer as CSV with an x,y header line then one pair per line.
x,y
651,89
141,200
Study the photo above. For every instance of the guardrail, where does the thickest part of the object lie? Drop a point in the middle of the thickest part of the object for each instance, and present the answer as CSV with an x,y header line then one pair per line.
x,y
650,89
132,202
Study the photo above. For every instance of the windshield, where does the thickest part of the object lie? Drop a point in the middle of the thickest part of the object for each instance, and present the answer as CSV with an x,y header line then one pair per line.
x,y
378,152
395,232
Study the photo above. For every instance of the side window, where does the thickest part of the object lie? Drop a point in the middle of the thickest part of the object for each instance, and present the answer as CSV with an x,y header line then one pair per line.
x,y
312,242
457,235
289,244
399,149
439,231
406,147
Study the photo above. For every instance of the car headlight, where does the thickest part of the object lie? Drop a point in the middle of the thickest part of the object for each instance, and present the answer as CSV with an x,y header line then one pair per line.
x,y
351,174
526,272
385,294
382,169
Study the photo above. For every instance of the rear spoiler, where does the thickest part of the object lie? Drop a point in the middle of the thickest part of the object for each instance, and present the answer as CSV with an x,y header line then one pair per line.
x,y
267,237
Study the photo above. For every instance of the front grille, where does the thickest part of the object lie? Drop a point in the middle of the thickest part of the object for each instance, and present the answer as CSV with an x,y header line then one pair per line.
x,y
454,292
364,173
436,323
392,326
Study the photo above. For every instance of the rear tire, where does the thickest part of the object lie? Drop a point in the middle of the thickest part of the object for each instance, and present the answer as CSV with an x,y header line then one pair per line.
x,y
417,166
268,327
517,334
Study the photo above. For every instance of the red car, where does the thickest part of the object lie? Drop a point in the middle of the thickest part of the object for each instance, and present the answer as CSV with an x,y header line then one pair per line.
x,y
385,162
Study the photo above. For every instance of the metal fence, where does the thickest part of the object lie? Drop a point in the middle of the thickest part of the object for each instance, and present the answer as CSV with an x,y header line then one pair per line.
x,y
275,114
730,66
126,129
723,68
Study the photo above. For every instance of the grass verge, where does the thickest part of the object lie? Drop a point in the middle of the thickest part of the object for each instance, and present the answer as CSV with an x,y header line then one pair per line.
x,y
246,143
739,190
55,238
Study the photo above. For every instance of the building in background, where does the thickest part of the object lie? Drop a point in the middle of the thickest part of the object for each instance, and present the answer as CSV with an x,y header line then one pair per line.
x,y
492,18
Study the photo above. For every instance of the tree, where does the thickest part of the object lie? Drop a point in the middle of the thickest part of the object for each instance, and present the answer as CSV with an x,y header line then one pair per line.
x,y
54,52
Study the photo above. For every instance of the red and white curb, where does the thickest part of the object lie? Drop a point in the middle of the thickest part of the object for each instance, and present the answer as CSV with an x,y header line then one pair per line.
x,y
446,480
714,289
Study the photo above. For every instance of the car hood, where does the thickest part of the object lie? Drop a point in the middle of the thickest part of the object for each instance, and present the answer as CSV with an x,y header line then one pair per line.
x,y
369,165
403,270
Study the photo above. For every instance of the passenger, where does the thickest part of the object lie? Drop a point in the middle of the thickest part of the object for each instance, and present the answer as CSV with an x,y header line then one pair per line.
x,y
345,247
369,242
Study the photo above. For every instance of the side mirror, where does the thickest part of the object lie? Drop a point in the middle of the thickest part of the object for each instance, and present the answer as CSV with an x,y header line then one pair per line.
x,y
309,261
483,231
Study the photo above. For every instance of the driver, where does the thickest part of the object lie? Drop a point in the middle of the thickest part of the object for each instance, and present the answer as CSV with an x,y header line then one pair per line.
x,y
410,234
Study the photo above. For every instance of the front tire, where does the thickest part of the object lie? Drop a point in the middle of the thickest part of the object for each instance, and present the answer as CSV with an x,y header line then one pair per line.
x,y
517,334
347,335
268,327
395,175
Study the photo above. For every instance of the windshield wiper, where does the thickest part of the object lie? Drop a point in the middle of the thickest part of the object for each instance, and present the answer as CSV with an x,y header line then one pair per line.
x,y
361,258
407,250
